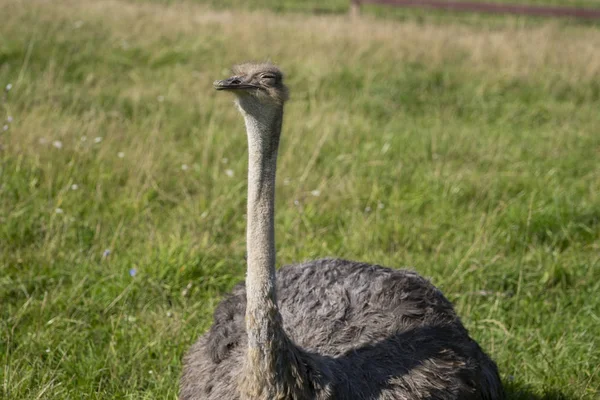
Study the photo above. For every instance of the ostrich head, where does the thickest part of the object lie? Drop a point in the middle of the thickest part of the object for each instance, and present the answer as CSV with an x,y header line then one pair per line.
x,y
257,87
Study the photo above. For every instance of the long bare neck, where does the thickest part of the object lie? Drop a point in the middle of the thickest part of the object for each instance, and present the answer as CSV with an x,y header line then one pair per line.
x,y
274,368
263,321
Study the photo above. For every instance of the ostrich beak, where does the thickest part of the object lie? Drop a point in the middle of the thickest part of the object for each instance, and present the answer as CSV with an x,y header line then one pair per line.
x,y
233,83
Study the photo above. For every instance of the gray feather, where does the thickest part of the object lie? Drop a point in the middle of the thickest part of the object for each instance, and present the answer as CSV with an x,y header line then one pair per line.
x,y
380,333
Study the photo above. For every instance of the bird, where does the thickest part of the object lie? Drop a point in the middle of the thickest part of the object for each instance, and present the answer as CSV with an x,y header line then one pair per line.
x,y
325,329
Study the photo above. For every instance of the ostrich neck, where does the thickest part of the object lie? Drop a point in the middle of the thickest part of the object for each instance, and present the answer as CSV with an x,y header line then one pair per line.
x,y
275,367
263,321
272,360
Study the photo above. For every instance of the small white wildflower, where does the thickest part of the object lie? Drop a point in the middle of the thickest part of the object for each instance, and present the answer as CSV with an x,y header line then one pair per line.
x,y
78,24
97,139
83,138
229,172
184,167
296,202
106,253
120,154
59,211
160,99
8,87
204,214
286,181
150,372
9,119
5,128
367,209
74,186
380,205
57,144
169,314
47,350
316,193
131,318
185,291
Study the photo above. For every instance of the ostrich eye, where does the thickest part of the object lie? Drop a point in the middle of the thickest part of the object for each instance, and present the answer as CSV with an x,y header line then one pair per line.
x,y
268,77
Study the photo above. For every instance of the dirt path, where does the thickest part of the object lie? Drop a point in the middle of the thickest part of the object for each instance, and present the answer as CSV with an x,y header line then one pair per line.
x,y
495,8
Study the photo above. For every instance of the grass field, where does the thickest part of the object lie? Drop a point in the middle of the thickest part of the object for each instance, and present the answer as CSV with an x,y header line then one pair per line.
x,y
338,6
468,152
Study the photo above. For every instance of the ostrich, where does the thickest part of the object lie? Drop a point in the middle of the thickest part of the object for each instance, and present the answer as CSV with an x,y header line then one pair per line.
x,y
326,329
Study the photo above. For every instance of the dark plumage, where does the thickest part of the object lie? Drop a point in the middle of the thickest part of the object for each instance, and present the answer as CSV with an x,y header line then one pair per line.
x,y
380,333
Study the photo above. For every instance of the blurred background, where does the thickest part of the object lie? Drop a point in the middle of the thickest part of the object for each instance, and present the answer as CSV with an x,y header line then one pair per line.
x,y
465,145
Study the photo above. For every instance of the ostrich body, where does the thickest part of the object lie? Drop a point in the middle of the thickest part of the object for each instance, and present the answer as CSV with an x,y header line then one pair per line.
x,y
326,329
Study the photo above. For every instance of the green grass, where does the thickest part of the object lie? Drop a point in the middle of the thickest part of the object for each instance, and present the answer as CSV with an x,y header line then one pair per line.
x,y
334,6
468,152
422,15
